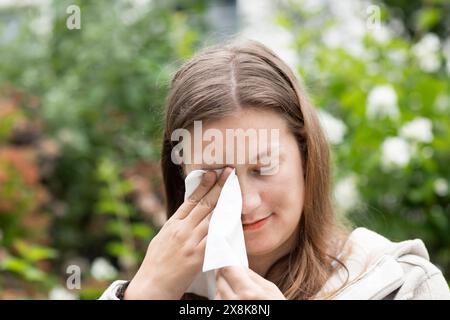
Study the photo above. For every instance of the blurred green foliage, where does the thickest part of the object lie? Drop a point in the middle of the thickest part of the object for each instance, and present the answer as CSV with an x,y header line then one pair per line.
x,y
100,91
421,16
404,201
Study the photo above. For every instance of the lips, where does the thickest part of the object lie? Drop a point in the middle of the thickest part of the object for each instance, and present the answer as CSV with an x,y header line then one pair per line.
x,y
255,224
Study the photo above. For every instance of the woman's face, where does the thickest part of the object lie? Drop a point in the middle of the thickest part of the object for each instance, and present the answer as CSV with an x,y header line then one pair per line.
x,y
272,202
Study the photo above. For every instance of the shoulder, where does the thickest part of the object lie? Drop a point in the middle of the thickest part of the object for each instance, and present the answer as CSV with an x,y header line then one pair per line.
x,y
382,269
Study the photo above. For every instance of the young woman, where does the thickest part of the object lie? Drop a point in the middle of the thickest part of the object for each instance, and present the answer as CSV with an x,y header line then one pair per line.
x,y
295,246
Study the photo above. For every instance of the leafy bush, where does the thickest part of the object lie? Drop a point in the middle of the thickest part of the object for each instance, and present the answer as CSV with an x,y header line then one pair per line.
x,y
385,104
98,95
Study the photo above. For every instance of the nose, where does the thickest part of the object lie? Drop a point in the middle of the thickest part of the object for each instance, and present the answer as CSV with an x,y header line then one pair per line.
x,y
251,199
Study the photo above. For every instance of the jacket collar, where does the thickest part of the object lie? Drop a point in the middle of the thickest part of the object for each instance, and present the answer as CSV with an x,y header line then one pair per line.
x,y
381,279
374,270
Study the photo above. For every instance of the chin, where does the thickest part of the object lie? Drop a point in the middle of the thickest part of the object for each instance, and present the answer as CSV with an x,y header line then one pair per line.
x,y
257,247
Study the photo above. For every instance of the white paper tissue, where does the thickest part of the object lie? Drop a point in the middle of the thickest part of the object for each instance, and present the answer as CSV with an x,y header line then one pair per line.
x,y
225,244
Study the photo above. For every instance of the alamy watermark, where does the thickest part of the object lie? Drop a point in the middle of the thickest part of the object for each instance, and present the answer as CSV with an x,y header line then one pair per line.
x,y
73,21
373,21
258,146
74,279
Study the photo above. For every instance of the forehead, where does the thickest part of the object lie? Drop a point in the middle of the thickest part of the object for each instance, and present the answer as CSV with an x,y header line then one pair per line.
x,y
249,118
246,128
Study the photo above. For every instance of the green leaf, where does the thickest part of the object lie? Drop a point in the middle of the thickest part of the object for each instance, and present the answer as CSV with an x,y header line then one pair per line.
x,y
117,249
142,231
35,253
427,18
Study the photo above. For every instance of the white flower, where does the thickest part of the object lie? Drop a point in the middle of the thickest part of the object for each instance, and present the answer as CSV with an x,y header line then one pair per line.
x,y
396,152
41,25
382,102
349,29
396,26
59,293
426,52
333,38
347,36
382,34
441,187
442,102
346,193
420,129
312,5
334,128
429,43
101,269
430,63
397,56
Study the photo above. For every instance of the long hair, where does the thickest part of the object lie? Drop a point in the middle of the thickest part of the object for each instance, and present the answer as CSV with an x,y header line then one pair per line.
x,y
217,82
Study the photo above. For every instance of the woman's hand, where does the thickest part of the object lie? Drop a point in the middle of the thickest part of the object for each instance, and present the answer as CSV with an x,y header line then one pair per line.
x,y
240,283
175,255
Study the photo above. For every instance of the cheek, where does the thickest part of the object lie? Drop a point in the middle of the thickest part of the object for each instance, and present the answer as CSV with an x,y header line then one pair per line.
x,y
285,198
283,195
287,203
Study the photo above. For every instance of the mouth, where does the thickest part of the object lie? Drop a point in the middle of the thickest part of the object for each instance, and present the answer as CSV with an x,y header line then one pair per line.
x,y
256,224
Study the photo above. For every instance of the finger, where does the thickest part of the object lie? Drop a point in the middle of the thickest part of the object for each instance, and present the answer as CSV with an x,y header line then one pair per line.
x,y
201,247
237,277
201,230
256,277
209,201
224,290
266,285
207,182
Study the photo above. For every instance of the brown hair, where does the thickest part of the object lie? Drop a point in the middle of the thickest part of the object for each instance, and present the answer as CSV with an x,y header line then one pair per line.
x,y
217,82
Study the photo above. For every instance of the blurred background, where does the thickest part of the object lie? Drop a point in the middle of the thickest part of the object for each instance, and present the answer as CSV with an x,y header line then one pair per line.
x,y
82,89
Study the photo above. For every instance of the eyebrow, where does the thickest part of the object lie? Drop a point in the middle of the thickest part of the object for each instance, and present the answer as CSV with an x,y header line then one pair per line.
x,y
258,159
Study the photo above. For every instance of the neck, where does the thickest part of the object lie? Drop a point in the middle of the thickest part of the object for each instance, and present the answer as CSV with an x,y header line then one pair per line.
x,y
260,263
